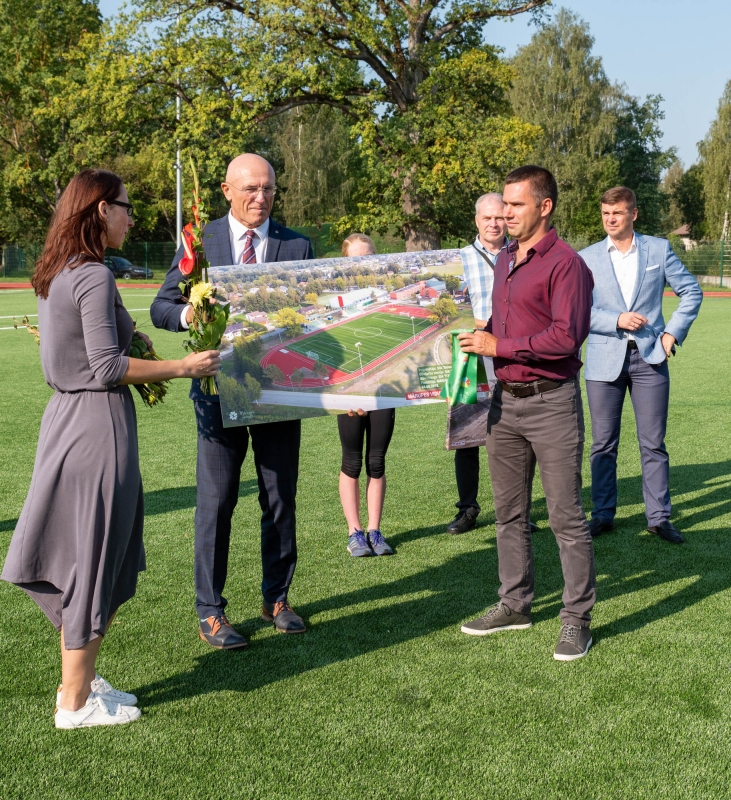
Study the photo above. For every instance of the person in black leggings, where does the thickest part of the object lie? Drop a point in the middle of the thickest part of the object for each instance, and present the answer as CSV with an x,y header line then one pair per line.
x,y
376,427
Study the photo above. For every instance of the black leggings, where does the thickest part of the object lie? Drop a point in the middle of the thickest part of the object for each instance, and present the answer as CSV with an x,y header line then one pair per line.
x,y
377,426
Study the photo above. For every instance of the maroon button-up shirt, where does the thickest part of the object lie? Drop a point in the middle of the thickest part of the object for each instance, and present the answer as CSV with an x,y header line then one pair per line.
x,y
540,311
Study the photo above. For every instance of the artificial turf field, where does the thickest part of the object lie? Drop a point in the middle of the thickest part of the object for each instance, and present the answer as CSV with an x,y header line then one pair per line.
x,y
384,697
377,333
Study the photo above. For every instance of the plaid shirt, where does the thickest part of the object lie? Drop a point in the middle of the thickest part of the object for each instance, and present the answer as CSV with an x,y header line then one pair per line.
x,y
479,276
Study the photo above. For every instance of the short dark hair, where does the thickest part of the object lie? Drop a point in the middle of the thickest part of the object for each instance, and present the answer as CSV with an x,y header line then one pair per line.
x,y
541,181
619,194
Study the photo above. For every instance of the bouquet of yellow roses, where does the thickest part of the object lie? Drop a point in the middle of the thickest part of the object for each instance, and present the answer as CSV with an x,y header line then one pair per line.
x,y
210,312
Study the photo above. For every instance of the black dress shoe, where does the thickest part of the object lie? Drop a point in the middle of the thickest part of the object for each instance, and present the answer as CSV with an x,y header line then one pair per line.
x,y
666,530
464,521
598,526
284,619
218,633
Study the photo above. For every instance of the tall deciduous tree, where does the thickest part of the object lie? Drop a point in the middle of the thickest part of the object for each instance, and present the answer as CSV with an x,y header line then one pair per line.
x,y
595,136
39,146
428,103
715,152
689,197
320,165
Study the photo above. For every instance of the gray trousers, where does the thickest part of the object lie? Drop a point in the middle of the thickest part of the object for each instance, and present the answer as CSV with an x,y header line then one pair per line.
x,y
649,389
547,429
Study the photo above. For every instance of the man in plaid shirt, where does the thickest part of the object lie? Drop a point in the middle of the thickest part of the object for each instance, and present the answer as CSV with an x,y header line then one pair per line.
x,y
478,260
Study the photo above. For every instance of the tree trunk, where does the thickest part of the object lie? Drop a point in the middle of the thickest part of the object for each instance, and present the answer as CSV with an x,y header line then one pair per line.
x,y
422,237
418,235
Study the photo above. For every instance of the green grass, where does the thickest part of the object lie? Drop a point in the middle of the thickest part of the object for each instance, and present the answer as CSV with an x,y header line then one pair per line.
x,y
378,333
383,697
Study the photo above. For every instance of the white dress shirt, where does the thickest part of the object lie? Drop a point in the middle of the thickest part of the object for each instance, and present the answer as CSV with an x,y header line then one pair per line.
x,y
625,268
237,234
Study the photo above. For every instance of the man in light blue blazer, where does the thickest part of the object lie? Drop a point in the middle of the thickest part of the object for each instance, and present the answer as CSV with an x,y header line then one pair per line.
x,y
628,349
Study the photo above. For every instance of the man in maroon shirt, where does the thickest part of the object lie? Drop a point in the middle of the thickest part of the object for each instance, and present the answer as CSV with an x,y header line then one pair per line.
x,y
541,307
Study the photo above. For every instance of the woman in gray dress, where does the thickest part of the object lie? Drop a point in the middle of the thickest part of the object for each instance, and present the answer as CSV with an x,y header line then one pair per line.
x,y
77,548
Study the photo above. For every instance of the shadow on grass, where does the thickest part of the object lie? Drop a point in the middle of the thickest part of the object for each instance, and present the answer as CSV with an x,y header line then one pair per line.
x,y
453,592
8,524
630,560
447,598
175,499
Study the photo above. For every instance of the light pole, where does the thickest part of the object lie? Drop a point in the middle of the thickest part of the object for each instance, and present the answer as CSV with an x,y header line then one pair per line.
x,y
178,182
360,357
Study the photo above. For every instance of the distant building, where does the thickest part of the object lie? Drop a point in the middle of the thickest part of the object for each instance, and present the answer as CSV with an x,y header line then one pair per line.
x,y
260,317
235,330
435,283
355,297
407,291
428,293
683,232
308,311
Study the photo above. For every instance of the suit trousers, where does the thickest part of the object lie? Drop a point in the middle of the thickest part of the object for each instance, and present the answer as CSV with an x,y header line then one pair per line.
x,y
467,473
649,390
221,453
547,429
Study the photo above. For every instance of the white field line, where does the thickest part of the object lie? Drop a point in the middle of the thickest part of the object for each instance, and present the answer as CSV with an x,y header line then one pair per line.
x,y
12,327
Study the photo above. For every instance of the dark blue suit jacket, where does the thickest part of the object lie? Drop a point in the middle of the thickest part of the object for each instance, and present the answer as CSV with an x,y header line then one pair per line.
x,y
283,244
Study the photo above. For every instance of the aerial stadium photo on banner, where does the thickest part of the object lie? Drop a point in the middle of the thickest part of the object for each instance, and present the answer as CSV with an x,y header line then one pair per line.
x,y
357,341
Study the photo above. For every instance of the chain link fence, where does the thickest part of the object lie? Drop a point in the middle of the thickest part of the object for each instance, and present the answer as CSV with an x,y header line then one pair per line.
x,y
710,262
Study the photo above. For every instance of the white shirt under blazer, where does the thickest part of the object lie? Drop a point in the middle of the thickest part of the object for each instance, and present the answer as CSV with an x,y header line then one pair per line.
x,y
657,264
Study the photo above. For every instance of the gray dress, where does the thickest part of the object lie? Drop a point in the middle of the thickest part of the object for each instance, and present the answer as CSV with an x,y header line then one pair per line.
x,y
77,548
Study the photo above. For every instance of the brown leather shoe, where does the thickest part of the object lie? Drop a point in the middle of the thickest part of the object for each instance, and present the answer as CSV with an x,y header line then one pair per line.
x,y
218,633
284,619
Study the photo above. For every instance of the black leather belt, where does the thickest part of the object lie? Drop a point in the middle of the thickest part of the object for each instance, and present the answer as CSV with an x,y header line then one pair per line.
x,y
631,344
529,389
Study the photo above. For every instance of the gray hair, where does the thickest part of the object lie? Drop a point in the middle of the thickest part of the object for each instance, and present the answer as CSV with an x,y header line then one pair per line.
x,y
489,196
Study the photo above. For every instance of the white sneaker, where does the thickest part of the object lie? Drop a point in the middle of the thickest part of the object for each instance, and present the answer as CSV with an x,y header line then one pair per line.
x,y
96,712
107,693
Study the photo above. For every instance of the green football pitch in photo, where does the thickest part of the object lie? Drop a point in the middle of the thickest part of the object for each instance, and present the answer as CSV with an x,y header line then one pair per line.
x,y
376,334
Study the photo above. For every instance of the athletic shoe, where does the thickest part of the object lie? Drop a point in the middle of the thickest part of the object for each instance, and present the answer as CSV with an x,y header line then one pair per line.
x,y
378,544
107,693
464,521
283,617
573,642
358,544
498,618
96,712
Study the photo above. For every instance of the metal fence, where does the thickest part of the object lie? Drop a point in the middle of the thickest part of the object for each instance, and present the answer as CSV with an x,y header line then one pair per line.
x,y
710,262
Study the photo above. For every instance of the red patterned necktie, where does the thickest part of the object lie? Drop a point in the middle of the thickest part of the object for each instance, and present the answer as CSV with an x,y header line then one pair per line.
x,y
249,254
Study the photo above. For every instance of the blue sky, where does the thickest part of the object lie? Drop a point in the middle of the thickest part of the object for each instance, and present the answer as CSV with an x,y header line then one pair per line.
x,y
675,48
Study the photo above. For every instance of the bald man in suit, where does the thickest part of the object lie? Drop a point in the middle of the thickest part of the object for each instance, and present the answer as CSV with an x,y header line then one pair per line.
x,y
246,235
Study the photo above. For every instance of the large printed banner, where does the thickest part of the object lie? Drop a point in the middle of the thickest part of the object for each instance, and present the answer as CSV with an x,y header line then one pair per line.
x,y
351,344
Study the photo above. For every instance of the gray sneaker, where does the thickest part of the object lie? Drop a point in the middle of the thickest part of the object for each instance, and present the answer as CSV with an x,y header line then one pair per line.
x,y
378,544
358,545
573,642
498,618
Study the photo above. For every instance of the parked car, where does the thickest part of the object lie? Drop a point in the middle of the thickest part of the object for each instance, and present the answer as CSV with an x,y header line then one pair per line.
x,y
126,269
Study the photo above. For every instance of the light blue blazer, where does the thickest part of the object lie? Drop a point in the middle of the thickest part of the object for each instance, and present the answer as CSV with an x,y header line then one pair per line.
x,y
657,264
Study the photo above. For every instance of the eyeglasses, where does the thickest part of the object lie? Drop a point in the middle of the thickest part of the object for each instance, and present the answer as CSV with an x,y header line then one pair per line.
x,y
253,191
130,208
